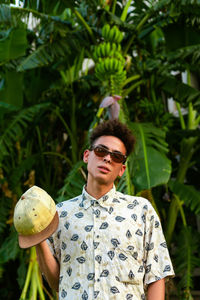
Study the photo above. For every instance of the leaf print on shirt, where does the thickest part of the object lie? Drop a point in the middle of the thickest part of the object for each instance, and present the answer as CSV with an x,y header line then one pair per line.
x,y
63,214
110,209
104,273
111,254
84,295
164,245
88,228
131,275
157,224
96,293
97,212
79,215
156,257
74,237
119,218
115,200
139,232
84,246
167,268
90,276
96,244
105,197
63,293
122,256
144,218
69,271
148,268
115,242
131,206
67,258
130,247
63,246
114,290
140,270
135,255
81,259
149,246
60,279
134,217
129,297
135,202
128,234
104,225
66,225
98,258
76,286
58,234
59,204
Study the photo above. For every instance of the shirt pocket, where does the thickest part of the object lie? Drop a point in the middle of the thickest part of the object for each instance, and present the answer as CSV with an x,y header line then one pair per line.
x,y
129,265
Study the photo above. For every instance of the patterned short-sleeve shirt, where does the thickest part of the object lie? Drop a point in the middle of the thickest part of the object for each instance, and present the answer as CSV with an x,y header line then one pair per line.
x,y
108,248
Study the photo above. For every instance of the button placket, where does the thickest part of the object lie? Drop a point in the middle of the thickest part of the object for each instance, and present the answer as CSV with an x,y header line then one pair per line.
x,y
97,255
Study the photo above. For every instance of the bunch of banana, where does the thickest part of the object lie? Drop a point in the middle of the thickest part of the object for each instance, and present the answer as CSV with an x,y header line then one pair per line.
x,y
109,66
109,60
106,49
112,34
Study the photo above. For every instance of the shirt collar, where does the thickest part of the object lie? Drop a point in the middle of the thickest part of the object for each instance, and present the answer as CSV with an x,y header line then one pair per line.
x,y
87,200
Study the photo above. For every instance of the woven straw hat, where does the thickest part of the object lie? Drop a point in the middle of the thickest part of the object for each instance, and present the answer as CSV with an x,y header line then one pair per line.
x,y
35,217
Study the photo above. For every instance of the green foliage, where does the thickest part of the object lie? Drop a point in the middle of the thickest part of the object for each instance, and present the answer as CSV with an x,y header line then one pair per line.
x,y
48,105
73,183
9,248
13,44
15,129
187,259
188,194
149,158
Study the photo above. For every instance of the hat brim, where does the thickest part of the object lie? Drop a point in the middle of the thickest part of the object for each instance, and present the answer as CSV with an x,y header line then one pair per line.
x,y
27,241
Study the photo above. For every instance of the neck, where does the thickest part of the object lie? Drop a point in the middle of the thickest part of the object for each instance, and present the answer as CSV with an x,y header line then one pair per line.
x,y
97,190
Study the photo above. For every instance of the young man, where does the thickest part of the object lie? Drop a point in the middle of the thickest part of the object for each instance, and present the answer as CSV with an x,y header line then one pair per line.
x,y
108,245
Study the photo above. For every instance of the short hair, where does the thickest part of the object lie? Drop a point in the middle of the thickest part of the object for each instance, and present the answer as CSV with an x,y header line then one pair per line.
x,y
117,129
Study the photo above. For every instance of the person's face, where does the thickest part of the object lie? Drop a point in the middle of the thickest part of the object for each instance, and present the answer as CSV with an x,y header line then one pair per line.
x,y
104,170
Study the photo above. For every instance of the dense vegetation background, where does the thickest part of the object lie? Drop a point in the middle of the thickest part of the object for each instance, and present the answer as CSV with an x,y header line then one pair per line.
x,y
49,100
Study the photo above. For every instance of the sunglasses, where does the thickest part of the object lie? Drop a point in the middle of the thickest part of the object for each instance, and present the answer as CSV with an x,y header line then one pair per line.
x,y
101,152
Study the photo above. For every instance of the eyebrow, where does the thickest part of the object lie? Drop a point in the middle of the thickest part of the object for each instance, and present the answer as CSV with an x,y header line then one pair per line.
x,y
103,146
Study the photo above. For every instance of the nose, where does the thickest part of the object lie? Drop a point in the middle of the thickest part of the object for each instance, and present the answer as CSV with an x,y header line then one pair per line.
x,y
107,158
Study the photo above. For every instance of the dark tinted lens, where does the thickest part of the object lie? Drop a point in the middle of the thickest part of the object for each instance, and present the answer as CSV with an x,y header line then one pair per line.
x,y
99,151
117,157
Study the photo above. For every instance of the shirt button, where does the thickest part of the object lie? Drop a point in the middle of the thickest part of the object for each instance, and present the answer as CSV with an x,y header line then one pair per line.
x,y
98,279
97,236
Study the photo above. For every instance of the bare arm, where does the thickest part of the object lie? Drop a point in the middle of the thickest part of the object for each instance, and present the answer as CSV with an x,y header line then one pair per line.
x,y
48,265
156,290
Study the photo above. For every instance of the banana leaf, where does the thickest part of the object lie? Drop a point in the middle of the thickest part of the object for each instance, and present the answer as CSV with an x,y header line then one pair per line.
x,y
12,90
187,193
149,165
13,43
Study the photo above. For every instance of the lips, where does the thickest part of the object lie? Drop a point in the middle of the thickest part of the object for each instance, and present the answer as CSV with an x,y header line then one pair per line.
x,y
103,169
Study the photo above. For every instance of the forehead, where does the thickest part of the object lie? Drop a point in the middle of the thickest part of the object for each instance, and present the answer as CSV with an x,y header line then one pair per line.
x,y
112,142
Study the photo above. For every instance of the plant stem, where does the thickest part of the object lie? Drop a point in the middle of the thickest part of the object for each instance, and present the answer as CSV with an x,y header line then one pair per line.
x,y
180,116
28,277
39,282
114,6
85,25
125,11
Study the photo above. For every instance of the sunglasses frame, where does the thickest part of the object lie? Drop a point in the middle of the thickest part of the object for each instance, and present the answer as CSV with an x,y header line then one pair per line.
x,y
112,154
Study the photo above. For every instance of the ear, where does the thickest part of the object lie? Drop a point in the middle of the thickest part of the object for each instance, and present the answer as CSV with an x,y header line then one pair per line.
x,y
86,155
121,172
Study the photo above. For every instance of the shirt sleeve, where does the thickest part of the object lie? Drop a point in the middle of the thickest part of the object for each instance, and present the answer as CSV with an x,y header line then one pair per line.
x,y
158,264
54,243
